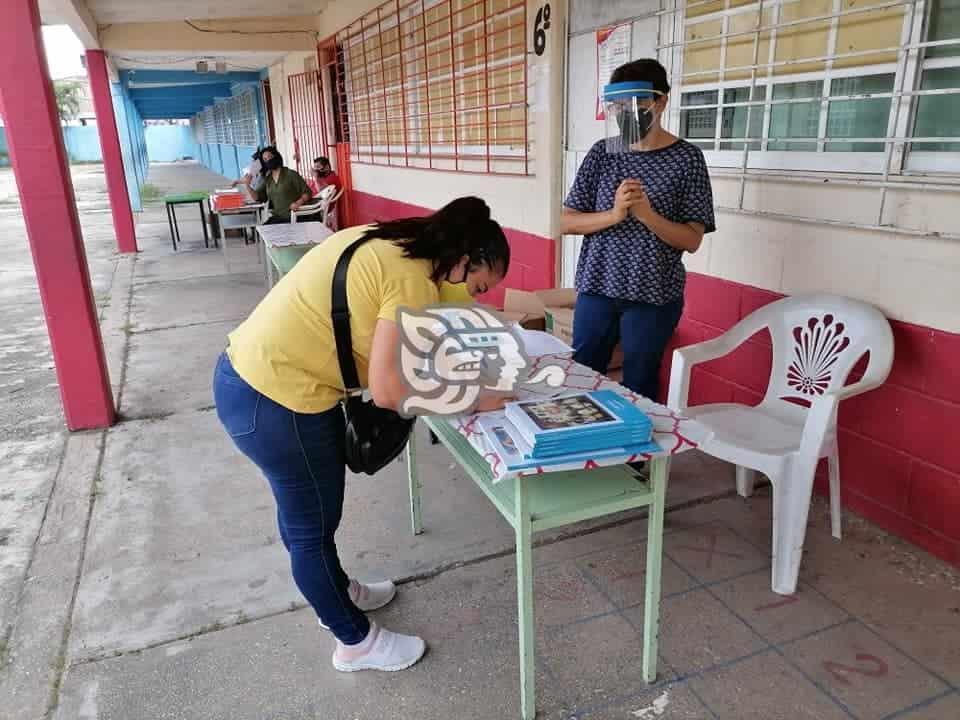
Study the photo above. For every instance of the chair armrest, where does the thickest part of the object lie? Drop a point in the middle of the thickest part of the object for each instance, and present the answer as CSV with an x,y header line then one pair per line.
x,y
685,358
310,209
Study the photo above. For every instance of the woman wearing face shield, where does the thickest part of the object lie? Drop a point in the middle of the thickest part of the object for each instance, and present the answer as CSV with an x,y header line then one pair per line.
x,y
641,199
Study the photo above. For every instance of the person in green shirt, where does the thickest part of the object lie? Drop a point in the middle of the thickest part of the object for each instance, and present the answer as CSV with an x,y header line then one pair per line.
x,y
284,188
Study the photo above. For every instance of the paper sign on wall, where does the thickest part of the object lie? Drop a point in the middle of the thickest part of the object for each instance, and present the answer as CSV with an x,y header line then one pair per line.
x,y
613,50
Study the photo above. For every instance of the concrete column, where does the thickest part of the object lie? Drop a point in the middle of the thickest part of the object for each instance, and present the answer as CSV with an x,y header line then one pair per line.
x,y
123,223
50,212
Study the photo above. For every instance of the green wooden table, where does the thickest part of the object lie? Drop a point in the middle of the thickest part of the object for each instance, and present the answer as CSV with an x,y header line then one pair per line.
x,y
549,498
190,198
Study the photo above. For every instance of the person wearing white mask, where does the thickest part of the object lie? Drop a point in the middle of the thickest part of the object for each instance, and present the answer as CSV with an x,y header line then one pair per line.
x,y
252,174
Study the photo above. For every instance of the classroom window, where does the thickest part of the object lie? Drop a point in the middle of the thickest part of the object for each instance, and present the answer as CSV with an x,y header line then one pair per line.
x,y
740,111
438,84
233,121
846,85
699,123
864,116
939,115
792,120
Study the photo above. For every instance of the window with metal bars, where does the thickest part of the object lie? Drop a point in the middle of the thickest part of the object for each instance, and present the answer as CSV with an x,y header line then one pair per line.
x,y
222,130
231,122
436,84
244,122
196,128
209,126
848,85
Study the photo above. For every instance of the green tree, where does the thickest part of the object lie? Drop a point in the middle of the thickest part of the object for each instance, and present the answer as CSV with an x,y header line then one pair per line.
x,y
68,99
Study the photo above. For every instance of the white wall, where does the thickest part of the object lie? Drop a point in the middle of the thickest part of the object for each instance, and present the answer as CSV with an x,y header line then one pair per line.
x,y
291,64
582,127
840,245
911,278
515,202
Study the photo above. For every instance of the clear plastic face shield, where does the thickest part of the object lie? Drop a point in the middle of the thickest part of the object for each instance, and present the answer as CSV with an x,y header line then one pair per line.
x,y
630,114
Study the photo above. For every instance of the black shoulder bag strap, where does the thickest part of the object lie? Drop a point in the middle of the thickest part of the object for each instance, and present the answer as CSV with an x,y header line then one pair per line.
x,y
341,321
374,435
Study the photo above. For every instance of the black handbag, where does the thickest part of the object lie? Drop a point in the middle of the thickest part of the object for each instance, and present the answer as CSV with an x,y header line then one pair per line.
x,y
375,435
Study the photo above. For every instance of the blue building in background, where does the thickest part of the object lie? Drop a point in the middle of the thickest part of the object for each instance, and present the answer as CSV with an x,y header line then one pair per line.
x,y
226,114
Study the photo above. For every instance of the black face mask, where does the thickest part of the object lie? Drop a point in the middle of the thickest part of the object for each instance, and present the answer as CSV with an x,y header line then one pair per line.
x,y
274,163
634,127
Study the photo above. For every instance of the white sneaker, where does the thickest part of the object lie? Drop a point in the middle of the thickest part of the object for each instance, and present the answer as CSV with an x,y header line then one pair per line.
x,y
369,596
388,652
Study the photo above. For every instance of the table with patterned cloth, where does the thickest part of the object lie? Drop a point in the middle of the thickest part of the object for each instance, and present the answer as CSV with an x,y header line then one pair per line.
x,y
553,495
285,243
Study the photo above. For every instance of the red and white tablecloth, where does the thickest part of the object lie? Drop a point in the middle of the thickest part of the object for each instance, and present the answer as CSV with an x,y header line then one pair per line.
x,y
673,432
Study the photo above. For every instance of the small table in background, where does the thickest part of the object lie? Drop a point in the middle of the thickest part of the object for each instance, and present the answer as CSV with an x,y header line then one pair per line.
x,y
243,217
285,243
190,198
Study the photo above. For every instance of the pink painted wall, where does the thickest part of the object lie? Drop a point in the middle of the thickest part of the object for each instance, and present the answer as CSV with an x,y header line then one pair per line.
x,y
899,458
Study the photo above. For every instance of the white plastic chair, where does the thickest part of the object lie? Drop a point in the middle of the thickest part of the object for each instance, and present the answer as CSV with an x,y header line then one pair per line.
x,y
330,212
321,202
817,340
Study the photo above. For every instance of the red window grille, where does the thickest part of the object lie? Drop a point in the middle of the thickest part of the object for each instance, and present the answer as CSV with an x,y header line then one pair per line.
x,y
438,84
306,113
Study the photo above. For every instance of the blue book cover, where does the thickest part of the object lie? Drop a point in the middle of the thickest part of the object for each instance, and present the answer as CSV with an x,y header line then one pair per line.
x,y
515,453
595,419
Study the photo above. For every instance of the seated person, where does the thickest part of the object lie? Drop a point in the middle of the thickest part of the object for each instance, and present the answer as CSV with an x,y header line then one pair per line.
x,y
285,190
252,173
324,176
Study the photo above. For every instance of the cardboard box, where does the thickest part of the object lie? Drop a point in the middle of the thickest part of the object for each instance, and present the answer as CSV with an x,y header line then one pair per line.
x,y
523,307
550,310
529,308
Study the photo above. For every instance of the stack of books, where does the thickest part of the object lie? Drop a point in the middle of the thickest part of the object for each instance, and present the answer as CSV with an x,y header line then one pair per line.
x,y
568,428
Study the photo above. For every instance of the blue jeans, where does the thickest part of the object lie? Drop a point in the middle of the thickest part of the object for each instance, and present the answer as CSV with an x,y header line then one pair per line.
x,y
599,322
302,458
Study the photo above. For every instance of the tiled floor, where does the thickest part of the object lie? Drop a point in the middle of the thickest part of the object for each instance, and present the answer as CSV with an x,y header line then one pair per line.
x,y
730,649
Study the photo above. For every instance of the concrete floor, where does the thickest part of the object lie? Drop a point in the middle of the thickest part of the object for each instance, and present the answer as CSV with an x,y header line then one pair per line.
x,y
142,575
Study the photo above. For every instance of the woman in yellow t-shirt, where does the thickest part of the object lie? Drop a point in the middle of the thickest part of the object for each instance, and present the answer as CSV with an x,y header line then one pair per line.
x,y
278,388
455,294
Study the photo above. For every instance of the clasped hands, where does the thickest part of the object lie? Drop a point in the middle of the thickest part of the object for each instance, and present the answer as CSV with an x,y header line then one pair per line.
x,y
632,199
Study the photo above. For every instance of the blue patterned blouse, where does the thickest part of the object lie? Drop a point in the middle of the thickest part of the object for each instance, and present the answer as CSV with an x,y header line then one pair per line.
x,y
627,261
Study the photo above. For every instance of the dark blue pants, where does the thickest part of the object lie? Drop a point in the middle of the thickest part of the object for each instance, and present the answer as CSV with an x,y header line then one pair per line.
x,y
302,458
600,322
